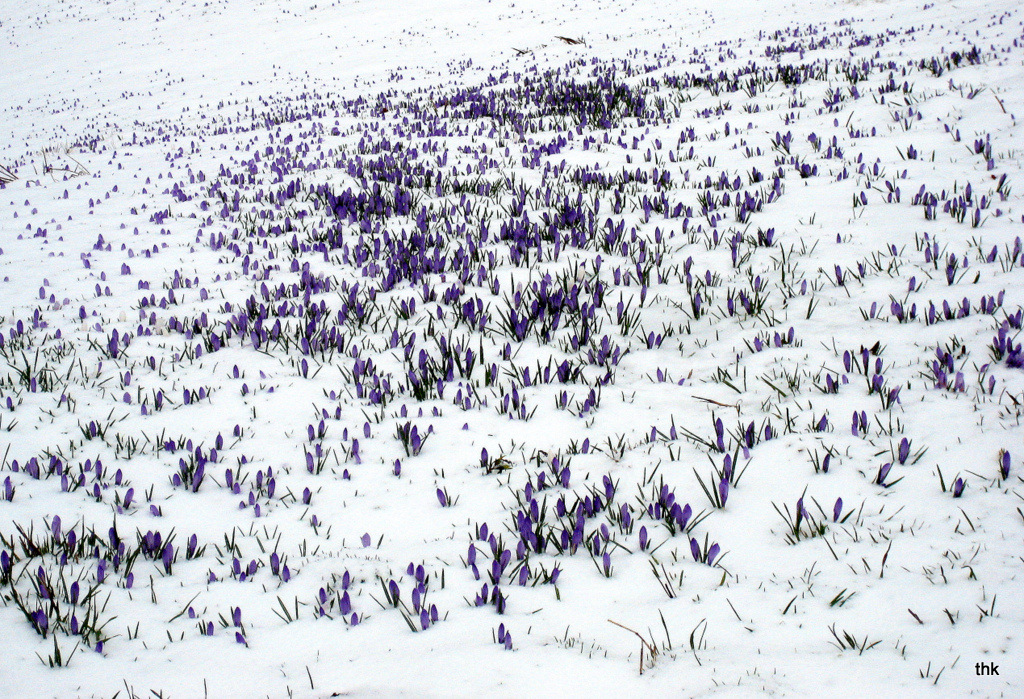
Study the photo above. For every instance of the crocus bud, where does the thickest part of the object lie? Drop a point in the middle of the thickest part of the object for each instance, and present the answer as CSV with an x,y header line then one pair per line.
x,y
904,451
883,471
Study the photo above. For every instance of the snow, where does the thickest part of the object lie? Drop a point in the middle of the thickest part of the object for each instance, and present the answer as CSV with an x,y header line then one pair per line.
x,y
130,128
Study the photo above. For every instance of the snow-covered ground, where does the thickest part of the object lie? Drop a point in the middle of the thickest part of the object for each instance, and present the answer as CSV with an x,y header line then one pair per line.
x,y
494,348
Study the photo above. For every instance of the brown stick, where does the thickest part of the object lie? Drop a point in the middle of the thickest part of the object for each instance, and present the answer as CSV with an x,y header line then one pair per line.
x,y
1001,105
715,402
651,651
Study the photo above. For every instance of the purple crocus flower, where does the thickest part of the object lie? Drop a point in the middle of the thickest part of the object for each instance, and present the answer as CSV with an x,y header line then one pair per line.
x,y
837,510
695,549
958,487
712,553
44,587
1004,464
723,490
643,538
801,510
684,516
904,451
41,622
883,471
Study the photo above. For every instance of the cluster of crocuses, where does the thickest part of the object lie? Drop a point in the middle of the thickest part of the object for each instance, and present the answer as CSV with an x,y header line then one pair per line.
x,y
334,598
777,340
425,614
382,234
663,506
51,590
1003,346
374,203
